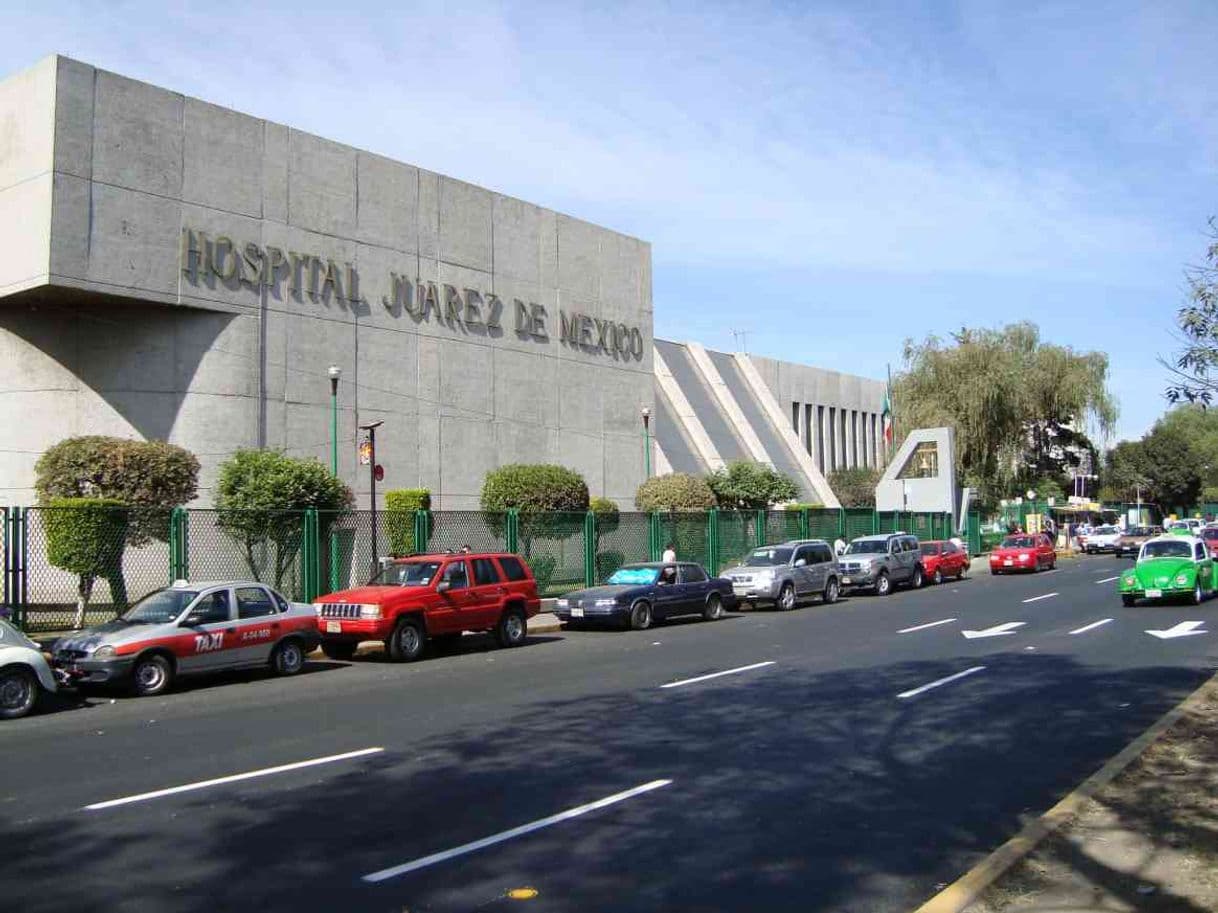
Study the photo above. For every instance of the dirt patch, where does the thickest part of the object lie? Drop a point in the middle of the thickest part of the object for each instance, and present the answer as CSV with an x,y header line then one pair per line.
x,y
1147,842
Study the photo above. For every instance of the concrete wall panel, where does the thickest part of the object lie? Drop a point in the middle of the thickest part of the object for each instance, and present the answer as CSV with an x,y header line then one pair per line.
x,y
27,124
25,232
388,203
465,224
134,240
321,185
137,136
222,158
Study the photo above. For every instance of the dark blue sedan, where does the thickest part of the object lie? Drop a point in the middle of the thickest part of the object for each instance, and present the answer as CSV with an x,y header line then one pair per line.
x,y
635,595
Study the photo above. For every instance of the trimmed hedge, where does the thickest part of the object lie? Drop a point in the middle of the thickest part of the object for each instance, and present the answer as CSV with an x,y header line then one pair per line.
x,y
87,537
534,488
401,504
675,491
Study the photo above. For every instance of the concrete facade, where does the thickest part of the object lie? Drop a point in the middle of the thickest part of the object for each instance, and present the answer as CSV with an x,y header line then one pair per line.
x,y
922,474
181,271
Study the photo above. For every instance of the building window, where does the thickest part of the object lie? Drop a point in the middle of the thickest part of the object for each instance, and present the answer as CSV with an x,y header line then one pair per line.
x,y
808,428
865,456
795,418
923,463
820,438
854,438
841,438
832,439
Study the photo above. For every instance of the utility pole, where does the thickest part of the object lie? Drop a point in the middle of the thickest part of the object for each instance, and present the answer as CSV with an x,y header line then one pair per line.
x,y
373,471
741,338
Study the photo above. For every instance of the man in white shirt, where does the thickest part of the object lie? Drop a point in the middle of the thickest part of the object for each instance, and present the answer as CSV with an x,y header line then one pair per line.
x,y
670,553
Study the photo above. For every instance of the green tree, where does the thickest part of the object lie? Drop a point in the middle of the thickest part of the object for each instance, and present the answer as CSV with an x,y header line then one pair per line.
x,y
744,484
1199,426
260,497
674,491
1019,406
87,537
1125,475
150,477
1171,467
855,487
608,517
1194,372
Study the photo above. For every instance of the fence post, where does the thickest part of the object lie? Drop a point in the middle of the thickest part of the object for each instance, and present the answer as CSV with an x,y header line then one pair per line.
x,y
511,532
20,592
422,531
312,555
759,528
712,540
655,548
804,525
178,569
590,549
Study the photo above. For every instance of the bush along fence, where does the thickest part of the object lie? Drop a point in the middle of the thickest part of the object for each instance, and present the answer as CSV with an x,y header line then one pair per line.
x,y
64,568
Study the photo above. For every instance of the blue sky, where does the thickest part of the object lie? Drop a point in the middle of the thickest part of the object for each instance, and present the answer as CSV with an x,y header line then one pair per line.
x,y
832,178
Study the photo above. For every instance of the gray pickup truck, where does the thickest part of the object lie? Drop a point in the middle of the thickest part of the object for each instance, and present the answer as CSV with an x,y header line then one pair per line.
x,y
879,563
785,573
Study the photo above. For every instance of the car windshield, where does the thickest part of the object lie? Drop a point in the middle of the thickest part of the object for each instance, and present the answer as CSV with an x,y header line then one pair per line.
x,y
1167,549
1178,524
867,547
767,557
160,607
1209,534
930,548
1105,530
1019,542
633,576
408,573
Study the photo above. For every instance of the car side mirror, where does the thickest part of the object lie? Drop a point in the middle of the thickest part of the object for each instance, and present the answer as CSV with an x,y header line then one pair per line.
x,y
444,586
801,563
193,620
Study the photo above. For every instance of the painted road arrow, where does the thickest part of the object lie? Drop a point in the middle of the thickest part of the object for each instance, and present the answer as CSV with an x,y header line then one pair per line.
x,y
1183,629
996,631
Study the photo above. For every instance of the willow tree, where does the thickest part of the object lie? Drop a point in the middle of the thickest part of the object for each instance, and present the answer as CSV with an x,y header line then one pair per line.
x,y
1022,408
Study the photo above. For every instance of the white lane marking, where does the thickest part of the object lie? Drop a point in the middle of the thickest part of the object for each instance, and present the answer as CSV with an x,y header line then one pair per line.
x,y
1095,624
1039,598
943,681
424,861
702,678
1183,629
234,778
996,631
1109,579
931,624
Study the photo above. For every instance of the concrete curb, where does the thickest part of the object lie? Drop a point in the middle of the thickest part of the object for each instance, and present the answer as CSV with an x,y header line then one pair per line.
x,y
966,889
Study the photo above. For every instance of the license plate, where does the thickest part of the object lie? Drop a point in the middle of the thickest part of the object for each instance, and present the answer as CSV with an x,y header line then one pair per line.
x,y
1007,563
334,627
1154,594
845,581
577,613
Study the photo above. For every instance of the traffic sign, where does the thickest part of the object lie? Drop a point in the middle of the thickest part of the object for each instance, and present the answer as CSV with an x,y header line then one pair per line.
x,y
365,452
378,472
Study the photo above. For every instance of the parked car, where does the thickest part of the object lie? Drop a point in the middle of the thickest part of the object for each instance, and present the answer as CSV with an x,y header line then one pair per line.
x,y
783,574
1170,566
1102,539
24,673
1131,541
943,559
1189,526
637,595
187,629
1023,552
880,562
431,597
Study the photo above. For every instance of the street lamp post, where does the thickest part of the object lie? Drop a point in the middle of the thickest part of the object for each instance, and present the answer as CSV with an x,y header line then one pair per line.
x,y
335,373
646,442
372,468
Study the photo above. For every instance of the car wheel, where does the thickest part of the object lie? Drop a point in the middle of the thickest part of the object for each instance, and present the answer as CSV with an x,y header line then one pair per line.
x,y
937,577
288,658
640,616
18,692
714,607
405,644
832,591
1127,601
883,586
786,598
1197,594
513,628
963,570
341,650
151,675
918,578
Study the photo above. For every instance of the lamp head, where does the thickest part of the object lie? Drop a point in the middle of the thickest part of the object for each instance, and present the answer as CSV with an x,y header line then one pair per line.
x,y
335,372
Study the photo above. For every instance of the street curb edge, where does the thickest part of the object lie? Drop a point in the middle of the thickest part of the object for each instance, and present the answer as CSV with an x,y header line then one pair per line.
x,y
969,886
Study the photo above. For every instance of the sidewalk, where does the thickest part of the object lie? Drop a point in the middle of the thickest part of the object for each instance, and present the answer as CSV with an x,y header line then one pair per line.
x,y
1147,842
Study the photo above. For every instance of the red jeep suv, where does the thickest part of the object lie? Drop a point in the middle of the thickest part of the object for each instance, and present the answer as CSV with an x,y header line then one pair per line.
x,y
431,597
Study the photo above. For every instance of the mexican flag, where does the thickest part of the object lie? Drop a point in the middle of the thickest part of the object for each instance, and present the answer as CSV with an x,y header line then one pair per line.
x,y
887,416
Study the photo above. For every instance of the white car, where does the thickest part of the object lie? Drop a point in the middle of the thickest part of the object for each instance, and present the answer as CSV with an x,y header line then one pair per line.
x,y
24,673
1102,539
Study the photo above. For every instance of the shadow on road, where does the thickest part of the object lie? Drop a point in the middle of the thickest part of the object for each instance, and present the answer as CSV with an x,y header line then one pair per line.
x,y
792,791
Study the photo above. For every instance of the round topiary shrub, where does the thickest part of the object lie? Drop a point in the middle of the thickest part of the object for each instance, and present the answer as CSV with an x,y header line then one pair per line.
x,y
675,491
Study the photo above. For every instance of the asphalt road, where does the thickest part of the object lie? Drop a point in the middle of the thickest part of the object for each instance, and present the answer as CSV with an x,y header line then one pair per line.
x,y
829,779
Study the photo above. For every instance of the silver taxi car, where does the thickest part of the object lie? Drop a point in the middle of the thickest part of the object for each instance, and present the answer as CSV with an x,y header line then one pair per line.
x,y
24,673
191,628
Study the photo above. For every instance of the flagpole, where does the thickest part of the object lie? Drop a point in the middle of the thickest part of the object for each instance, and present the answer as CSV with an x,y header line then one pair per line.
x,y
892,415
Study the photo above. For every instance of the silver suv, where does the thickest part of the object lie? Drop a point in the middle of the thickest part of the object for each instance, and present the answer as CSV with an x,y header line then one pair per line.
x,y
783,574
880,562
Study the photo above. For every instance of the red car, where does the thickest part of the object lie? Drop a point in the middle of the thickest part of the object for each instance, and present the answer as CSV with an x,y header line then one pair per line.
x,y
1210,535
431,597
1023,552
943,559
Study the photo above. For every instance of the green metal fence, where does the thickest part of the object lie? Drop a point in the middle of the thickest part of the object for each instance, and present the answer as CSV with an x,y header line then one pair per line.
x,y
48,585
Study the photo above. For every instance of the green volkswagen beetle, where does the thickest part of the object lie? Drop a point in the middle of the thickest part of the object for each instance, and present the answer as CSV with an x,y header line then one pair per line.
x,y
1170,566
